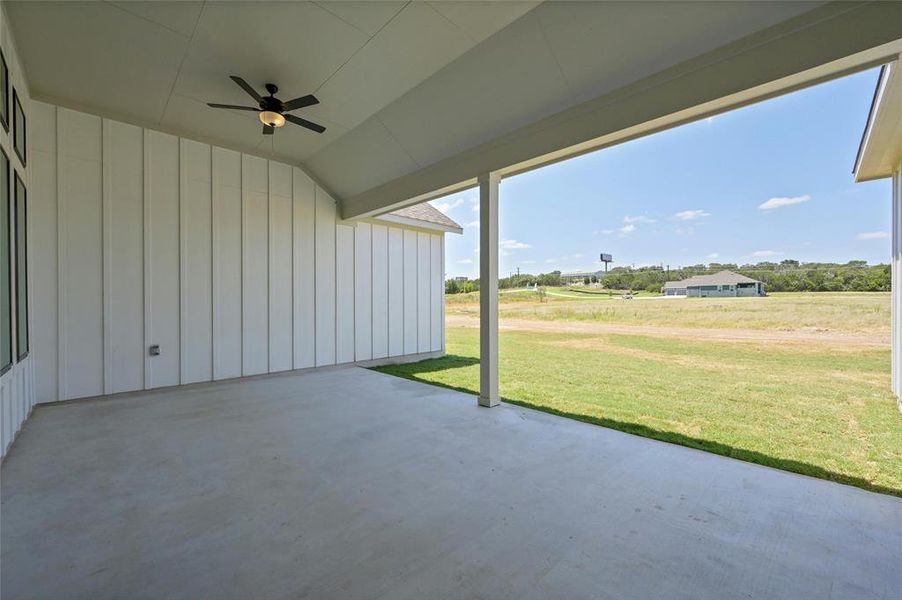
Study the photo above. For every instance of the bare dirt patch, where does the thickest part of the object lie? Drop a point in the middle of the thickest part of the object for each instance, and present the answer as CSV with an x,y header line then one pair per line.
x,y
837,340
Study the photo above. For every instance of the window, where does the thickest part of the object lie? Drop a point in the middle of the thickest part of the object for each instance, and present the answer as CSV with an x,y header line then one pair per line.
x,y
4,97
21,240
18,136
6,336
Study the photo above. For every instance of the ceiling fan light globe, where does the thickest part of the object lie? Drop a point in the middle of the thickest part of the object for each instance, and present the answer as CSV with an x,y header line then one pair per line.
x,y
273,119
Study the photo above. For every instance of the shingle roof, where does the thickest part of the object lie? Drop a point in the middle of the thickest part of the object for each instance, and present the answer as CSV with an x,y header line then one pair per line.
x,y
426,212
721,278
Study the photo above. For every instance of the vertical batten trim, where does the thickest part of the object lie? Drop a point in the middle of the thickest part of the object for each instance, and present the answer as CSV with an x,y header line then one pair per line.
x,y
372,287
334,284
183,259
291,262
181,253
268,266
315,294
214,261
62,244
241,265
388,291
148,260
243,257
212,288
403,293
106,230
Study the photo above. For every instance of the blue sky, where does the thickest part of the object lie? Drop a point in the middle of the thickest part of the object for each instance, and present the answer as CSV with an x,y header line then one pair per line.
x,y
765,182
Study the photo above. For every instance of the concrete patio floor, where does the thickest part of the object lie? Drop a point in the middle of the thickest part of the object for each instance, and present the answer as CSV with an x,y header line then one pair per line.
x,y
353,484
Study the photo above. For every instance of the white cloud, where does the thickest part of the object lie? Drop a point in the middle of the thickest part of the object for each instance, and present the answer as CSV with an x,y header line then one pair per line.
x,y
713,255
549,261
528,262
474,224
780,202
628,228
513,245
872,235
447,205
765,253
690,215
466,261
640,219
604,231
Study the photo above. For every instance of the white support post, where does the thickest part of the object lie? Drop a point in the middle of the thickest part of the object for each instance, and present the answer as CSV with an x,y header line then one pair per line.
x,y
488,289
896,295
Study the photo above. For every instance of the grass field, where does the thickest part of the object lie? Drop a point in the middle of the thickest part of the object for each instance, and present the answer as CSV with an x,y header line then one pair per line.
x,y
864,312
798,382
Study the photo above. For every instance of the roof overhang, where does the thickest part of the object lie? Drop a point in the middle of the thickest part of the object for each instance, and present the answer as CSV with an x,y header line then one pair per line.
x,y
880,152
825,43
408,222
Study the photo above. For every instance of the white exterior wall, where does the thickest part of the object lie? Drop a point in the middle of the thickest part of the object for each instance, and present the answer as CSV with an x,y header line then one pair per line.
x,y
17,385
233,264
896,272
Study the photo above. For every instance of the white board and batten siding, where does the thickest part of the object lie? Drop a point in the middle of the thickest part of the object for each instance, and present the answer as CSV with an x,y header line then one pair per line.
x,y
18,384
233,264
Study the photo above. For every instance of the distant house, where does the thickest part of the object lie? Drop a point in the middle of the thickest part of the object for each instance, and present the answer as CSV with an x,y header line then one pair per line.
x,y
722,284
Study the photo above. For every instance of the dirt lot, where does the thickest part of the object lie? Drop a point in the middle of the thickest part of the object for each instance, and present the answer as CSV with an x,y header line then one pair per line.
x,y
838,339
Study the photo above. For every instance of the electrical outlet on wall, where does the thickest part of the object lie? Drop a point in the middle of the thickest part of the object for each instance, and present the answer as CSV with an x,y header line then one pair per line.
x,y
154,350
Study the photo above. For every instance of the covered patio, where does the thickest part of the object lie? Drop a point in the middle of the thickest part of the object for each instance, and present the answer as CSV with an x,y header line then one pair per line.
x,y
347,483
190,300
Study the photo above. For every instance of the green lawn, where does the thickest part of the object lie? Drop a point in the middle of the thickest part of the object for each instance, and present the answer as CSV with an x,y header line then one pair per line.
x,y
806,409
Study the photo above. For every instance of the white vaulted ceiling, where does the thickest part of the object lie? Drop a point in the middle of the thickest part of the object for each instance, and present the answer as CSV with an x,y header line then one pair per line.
x,y
402,85
158,63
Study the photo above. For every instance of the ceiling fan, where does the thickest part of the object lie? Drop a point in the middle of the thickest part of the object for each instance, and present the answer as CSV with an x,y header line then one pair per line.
x,y
271,109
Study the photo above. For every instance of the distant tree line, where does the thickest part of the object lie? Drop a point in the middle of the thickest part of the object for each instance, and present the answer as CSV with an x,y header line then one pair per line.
x,y
784,276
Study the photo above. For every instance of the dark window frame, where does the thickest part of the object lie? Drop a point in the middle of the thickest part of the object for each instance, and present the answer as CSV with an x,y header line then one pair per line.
x,y
8,197
4,94
20,276
17,111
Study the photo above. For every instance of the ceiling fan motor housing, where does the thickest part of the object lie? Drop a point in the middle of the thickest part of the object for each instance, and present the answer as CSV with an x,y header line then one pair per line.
x,y
271,103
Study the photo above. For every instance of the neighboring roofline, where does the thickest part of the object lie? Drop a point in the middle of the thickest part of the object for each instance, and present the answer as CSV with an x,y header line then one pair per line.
x,y
399,220
700,280
872,116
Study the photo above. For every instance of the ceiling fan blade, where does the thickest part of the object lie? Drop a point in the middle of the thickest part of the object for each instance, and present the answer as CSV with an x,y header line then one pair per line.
x,y
268,129
305,123
302,102
246,87
232,106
